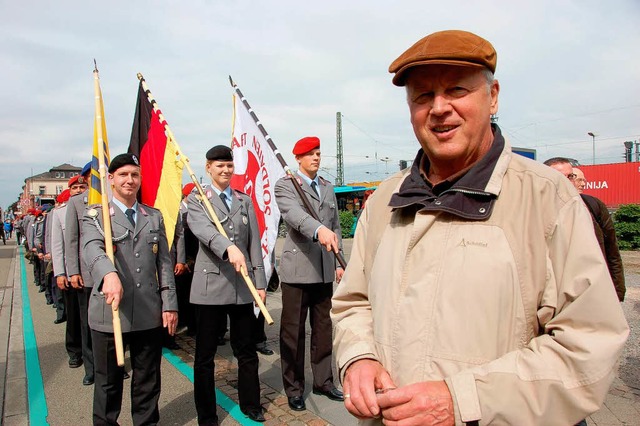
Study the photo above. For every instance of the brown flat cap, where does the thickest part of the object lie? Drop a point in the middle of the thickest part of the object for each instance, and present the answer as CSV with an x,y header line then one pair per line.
x,y
451,47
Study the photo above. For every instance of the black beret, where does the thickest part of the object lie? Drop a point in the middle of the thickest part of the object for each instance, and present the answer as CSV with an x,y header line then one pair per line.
x,y
123,160
220,153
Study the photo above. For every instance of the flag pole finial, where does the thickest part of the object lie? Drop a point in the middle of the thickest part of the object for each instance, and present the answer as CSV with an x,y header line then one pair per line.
x,y
140,77
231,81
95,65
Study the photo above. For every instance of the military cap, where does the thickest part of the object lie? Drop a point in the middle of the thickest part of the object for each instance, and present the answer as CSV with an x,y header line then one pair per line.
x,y
305,145
122,160
76,179
451,47
187,188
86,169
220,153
63,197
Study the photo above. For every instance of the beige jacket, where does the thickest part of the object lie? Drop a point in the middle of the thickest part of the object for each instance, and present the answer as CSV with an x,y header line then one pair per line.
x,y
516,312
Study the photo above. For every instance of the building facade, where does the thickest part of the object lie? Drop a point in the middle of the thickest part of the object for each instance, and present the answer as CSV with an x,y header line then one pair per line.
x,y
43,188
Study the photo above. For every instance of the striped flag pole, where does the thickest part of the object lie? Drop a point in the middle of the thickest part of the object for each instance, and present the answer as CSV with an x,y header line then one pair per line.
x,y
203,198
286,168
106,218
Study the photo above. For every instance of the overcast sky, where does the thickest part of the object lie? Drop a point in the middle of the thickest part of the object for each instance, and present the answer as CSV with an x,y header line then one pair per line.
x,y
565,68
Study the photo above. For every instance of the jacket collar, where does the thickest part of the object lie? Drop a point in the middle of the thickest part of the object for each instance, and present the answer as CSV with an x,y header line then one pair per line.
x,y
471,196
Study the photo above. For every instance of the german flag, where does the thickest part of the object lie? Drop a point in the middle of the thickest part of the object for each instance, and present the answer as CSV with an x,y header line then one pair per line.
x,y
159,165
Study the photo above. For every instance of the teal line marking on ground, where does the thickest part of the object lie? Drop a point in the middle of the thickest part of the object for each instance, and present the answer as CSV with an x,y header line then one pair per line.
x,y
38,411
223,400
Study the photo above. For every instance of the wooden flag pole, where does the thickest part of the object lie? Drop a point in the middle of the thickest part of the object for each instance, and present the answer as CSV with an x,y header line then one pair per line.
x,y
205,201
284,165
106,218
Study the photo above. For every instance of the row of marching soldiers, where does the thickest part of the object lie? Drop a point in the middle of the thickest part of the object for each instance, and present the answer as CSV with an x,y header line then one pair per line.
x,y
199,277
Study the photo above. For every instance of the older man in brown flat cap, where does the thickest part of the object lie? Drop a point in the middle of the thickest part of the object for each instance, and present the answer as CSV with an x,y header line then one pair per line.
x,y
474,293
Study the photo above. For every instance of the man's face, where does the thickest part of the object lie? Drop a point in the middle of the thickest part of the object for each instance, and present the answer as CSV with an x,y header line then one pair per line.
x,y
77,188
580,182
126,182
309,163
565,169
450,110
220,172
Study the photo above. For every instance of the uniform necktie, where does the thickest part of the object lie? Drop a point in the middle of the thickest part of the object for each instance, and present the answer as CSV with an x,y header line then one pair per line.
x,y
314,186
129,213
223,197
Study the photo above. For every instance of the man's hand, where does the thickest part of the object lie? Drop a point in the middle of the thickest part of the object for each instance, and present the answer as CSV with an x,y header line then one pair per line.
x,y
361,380
170,321
328,239
424,403
62,282
180,269
77,281
339,274
236,258
112,289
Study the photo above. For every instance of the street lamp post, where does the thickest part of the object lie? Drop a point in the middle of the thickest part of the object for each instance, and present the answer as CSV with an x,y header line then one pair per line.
x,y
386,164
593,141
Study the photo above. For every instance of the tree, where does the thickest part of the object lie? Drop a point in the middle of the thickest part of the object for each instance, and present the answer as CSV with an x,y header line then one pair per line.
x,y
627,224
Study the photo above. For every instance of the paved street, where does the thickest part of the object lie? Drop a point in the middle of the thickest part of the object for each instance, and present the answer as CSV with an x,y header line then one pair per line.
x,y
33,346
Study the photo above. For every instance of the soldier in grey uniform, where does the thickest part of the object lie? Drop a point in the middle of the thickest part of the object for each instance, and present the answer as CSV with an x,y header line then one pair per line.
x,y
307,271
79,278
218,289
140,284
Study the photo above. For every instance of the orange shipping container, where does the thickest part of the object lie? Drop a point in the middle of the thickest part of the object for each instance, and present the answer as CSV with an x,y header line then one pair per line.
x,y
614,184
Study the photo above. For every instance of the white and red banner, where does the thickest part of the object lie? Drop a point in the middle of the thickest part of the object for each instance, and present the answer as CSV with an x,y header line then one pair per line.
x,y
256,171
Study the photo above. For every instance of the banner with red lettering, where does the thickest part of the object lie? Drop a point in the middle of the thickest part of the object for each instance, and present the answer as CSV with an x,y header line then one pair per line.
x,y
256,171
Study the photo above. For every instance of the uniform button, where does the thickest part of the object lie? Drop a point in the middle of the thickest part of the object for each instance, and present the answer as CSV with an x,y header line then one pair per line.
x,y
230,226
135,240
137,269
138,285
437,202
482,210
204,270
155,238
137,255
231,239
295,250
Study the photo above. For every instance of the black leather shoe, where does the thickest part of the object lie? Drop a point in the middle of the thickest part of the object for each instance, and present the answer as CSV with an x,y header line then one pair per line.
x,y
59,320
171,345
264,349
255,414
75,362
334,394
296,403
88,380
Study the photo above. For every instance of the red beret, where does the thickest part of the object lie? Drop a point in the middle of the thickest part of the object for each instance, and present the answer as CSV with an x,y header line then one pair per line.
x,y
63,197
305,145
186,190
76,179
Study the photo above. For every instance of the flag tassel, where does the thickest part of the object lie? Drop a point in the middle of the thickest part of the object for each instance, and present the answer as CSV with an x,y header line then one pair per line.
x,y
185,161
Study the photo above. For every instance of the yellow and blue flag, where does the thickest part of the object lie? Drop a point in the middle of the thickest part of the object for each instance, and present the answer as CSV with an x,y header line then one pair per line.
x,y
100,147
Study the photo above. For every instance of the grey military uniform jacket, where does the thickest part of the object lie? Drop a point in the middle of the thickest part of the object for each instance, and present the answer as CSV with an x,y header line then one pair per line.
x,y
143,265
73,238
304,260
57,240
215,280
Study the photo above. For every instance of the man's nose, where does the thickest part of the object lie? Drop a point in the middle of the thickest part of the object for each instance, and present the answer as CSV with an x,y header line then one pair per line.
x,y
440,104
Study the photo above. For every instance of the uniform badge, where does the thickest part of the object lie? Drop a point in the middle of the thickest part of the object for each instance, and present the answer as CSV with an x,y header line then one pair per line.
x,y
154,249
244,220
92,213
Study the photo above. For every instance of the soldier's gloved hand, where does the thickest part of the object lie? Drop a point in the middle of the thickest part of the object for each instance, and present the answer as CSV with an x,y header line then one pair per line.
x,y
328,239
112,289
236,258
